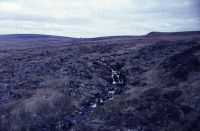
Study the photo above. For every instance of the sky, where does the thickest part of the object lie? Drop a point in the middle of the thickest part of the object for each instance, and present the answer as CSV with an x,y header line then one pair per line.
x,y
93,18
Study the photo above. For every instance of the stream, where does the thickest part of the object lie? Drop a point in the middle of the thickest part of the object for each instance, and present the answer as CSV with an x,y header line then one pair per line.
x,y
98,100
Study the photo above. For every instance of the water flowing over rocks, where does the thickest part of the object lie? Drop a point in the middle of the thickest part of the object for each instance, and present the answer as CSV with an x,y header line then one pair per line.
x,y
100,97
141,83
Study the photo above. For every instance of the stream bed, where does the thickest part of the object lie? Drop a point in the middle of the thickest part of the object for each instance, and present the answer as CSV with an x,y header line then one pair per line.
x,y
99,99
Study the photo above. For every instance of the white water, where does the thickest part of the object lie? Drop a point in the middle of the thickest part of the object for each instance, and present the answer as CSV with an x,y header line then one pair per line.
x,y
84,111
114,73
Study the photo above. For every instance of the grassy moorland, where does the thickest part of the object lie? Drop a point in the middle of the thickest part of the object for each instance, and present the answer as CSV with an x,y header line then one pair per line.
x,y
145,83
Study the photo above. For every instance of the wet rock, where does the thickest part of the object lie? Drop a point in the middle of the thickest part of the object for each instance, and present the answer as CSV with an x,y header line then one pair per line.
x,y
94,90
102,82
42,83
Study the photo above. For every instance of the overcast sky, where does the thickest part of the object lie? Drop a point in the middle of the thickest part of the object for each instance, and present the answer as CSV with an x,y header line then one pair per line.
x,y
91,18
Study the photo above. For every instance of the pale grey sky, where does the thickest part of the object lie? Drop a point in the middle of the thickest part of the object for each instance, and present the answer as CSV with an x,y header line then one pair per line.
x,y
92,18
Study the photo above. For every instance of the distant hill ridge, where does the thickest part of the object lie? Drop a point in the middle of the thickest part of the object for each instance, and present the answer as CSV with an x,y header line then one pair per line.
x,y
174,33
10,36
36,36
